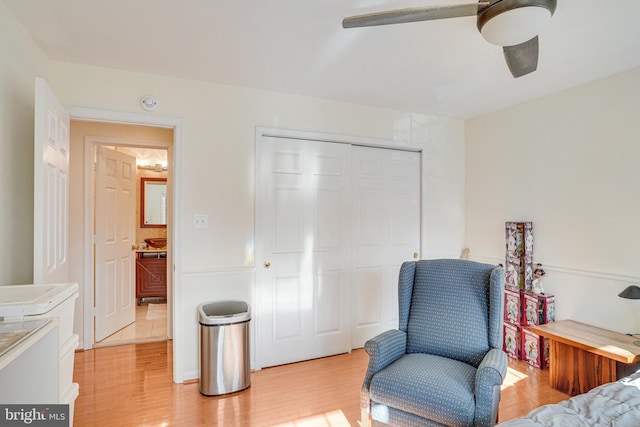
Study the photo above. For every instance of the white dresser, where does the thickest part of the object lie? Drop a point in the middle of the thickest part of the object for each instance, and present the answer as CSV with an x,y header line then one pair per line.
x,y
57,301
29,362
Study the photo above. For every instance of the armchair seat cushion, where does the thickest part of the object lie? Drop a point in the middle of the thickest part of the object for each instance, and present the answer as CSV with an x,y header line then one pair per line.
x,y
429,386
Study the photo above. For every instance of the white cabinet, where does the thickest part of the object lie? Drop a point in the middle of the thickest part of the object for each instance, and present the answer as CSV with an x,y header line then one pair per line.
x,y
43,302
29,362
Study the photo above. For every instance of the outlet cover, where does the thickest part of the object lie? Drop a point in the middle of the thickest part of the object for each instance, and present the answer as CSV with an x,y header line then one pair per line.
x,y
200,221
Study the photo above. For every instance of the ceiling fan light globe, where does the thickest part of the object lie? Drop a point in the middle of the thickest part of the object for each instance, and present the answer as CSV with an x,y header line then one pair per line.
x,y
516,26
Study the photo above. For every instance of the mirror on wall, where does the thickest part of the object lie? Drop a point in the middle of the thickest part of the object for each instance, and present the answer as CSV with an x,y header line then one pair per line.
x,y
153,202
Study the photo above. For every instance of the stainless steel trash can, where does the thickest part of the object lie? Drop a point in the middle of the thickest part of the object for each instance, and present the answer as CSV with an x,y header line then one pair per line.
x,y
224,347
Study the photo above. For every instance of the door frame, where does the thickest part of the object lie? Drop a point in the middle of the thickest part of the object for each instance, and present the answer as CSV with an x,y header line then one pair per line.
x,y
264,132
174,218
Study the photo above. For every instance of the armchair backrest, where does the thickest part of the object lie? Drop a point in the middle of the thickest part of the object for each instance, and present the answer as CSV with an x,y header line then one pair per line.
x,y
451,308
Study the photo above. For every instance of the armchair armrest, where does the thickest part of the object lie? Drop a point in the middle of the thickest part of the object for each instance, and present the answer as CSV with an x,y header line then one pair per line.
x,y
489,376
383,350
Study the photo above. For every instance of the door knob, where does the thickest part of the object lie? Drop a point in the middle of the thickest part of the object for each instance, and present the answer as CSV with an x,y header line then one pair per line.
x,y
416,255
267,264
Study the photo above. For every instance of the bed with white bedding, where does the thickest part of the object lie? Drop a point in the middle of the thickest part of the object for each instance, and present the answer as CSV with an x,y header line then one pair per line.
x,y
612,404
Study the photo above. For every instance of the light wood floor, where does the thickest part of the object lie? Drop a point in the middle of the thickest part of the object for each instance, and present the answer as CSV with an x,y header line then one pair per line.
x,y
148,326
131,385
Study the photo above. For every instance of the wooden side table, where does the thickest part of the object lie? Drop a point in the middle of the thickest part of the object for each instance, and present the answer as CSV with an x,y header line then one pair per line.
x,y
583,357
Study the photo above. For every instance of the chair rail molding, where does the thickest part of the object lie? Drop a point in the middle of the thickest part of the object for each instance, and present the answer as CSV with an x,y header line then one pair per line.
x,y
567,270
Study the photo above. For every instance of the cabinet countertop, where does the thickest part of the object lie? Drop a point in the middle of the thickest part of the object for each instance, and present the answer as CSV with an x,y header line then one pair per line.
x,y
15,337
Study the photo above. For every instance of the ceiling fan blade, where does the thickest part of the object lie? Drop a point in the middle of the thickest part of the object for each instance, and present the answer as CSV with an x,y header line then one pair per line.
x,y
522,58
414,14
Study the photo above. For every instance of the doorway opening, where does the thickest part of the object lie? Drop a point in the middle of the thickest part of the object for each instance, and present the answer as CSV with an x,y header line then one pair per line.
x,y
121,313
150,325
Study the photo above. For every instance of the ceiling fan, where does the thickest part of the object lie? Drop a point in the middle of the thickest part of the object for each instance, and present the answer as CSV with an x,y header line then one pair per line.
x,y
512,24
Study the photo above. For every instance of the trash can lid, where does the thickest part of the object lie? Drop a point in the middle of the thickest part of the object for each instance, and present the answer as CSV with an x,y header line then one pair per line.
x,y
223,312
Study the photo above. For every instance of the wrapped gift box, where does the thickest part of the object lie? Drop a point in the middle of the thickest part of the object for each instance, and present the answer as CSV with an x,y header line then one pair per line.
x,y
518,273
537,309
546,309
511,344
519,239
512,306
529,309
534,349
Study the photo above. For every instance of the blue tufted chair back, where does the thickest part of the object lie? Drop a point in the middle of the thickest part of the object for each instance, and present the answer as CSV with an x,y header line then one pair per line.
x,y
450,308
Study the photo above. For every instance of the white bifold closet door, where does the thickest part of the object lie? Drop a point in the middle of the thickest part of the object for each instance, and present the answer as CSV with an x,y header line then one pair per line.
x,y
335,222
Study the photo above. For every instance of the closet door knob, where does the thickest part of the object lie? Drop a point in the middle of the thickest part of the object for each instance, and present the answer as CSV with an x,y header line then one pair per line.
x,y
267,264
416,255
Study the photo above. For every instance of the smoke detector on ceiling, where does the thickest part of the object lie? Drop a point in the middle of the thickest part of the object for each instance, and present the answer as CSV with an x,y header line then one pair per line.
x,y
149,103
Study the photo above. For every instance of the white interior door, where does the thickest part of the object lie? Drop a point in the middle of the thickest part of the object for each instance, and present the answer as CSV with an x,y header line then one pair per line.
x,y
115,235
386,232
303,274
51,188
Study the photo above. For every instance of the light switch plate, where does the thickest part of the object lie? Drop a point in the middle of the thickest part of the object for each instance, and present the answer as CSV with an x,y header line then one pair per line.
x,y
200,221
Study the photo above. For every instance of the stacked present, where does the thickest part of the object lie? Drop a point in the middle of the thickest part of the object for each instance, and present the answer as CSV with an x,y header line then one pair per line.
x,y
519,265
522,307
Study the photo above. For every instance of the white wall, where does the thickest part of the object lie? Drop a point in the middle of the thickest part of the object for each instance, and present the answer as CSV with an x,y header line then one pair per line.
x,y
20,62
216,169
570,163
217,164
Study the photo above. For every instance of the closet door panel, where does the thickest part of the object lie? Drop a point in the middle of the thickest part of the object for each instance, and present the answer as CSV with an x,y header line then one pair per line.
x,y
303,277
386,218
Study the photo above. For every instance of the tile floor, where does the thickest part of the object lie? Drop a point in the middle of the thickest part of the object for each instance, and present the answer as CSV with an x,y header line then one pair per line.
x,y
145,329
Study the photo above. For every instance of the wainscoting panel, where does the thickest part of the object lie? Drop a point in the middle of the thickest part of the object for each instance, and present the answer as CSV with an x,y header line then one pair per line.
x,y
200,286
587,296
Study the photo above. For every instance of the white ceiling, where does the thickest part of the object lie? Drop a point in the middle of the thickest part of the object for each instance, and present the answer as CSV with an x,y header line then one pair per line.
x,y
298,46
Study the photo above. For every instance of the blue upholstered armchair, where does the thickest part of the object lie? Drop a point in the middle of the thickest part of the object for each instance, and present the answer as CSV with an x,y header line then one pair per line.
x,y
444,365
